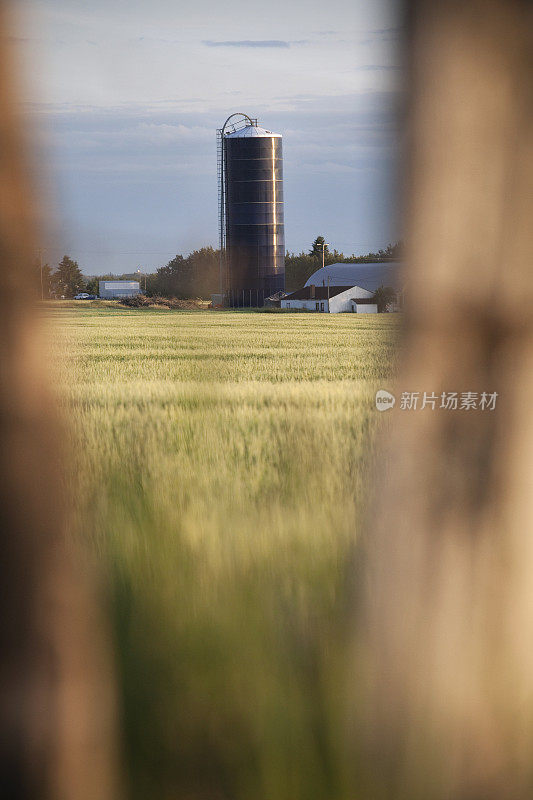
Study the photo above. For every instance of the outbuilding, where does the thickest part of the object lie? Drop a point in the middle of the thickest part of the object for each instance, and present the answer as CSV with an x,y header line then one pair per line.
x,y
363,305
111,289
331,299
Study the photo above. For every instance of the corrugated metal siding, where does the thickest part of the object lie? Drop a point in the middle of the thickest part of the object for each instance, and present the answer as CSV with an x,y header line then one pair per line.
x,y
255,234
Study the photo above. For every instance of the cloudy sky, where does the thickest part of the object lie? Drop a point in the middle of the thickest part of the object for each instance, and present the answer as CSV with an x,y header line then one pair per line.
x,y
128,94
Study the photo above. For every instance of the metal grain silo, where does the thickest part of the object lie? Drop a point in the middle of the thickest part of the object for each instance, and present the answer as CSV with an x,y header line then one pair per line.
x,y
251,212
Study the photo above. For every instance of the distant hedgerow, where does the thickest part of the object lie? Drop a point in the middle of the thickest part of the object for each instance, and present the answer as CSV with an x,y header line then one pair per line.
x,y
141,301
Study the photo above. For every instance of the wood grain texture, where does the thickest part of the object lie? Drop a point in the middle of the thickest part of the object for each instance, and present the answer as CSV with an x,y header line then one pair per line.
x,y
448,595
57,737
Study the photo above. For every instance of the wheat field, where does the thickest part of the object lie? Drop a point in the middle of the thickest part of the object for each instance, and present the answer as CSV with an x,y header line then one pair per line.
x,y
218,472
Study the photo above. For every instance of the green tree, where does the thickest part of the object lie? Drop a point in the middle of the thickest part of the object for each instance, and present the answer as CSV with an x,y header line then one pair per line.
x,y
172,280
68,279
316,248
383,296
91,284
196,275
204,270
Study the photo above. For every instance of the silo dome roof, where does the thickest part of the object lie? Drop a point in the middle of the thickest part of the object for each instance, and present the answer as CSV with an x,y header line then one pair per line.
x,y
251,130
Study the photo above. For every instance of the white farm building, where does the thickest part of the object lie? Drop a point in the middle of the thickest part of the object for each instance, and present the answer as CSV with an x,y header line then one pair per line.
x,y
343,287
332,299
112,289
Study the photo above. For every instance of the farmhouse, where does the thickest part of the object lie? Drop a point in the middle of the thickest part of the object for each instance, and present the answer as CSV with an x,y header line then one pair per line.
x,y
331,299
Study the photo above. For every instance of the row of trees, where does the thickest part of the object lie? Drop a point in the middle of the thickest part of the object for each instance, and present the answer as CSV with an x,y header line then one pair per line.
x,y
197,275
299,267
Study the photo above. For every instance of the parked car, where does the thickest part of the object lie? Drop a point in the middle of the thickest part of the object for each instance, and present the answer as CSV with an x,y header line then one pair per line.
x,y
85,296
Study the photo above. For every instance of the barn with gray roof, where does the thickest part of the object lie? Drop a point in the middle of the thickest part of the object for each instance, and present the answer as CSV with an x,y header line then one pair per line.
x,y
342,287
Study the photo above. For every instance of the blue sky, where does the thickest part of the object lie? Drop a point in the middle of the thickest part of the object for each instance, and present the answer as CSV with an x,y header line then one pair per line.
x,y
127,97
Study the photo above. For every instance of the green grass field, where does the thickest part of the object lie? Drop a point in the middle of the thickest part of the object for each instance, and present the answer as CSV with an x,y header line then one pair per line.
x,y
219,468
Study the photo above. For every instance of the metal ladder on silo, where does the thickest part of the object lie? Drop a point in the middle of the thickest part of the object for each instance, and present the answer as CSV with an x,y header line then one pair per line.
x,y
221,209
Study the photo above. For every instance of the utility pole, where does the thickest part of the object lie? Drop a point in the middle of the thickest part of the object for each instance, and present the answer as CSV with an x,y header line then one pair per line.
x,y
324,245
140,278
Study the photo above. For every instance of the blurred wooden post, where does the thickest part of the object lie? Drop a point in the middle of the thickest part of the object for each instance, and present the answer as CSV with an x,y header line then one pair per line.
x,y
448,594
56,700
